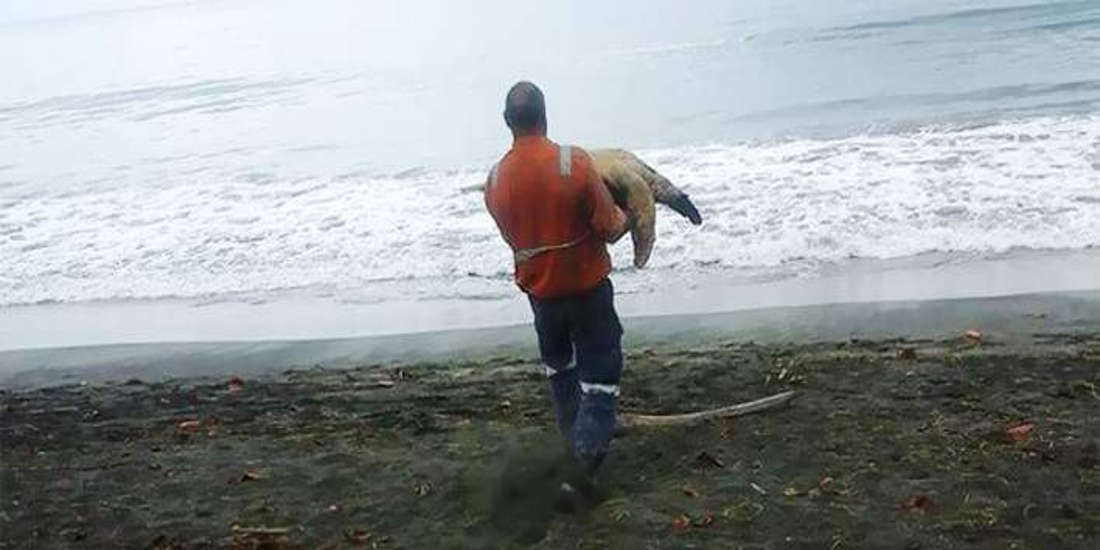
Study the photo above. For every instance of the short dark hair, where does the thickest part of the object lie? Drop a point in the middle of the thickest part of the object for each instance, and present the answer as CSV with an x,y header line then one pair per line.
x,y
524,107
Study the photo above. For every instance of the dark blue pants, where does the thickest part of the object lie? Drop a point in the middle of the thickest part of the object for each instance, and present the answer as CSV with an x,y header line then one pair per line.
x,y
580,341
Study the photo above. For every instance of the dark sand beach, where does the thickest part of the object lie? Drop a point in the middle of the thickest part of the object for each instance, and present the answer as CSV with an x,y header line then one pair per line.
x,y
906,433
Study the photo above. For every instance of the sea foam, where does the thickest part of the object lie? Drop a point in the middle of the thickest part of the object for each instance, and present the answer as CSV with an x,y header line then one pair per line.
x,y
788,206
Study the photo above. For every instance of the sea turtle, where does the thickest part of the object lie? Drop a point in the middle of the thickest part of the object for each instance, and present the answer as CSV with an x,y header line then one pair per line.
x,y
638,187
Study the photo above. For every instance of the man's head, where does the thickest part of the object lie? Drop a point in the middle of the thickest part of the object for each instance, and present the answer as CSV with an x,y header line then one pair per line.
x,y
525,110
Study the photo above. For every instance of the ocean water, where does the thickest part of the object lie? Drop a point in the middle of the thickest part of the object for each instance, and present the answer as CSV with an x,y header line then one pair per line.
x,y
216,150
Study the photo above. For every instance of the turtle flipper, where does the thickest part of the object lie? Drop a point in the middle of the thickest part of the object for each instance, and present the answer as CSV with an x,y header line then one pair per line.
x,y
683,205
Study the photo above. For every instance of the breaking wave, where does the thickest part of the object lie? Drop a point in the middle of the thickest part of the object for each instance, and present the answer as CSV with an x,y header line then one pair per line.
x,y
422,233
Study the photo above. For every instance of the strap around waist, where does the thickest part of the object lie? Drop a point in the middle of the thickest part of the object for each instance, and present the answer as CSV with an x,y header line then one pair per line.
x,y
526,254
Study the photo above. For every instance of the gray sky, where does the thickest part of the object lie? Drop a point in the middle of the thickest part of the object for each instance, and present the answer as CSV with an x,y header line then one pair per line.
x,y
31,10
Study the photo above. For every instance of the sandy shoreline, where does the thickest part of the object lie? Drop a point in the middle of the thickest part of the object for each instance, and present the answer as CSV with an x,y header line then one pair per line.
x,y
892,443
1015,317
906,434
304,315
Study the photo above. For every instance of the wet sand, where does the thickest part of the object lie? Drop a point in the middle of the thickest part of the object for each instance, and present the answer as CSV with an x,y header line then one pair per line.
x,y
934,440
312,316
1014,317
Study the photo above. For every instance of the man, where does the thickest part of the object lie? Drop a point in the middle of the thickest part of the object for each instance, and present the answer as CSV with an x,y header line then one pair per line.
x,y
556,214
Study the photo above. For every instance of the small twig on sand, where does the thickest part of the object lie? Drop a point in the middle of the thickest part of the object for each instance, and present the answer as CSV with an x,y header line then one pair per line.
x,y
630,421
251,538
20,428
55,410
269,531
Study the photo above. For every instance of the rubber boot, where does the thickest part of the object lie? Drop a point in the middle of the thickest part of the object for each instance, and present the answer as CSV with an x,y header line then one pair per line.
x,y
565,390
593,429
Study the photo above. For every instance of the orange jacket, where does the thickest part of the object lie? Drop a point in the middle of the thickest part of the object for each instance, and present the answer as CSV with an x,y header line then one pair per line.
x,y
541,199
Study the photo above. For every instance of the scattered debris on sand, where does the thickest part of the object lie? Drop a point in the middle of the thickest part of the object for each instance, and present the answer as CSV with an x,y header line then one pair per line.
x,y
889,444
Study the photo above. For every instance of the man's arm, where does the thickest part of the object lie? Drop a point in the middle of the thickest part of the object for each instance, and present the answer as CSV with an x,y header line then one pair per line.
x,y
489,206
606,219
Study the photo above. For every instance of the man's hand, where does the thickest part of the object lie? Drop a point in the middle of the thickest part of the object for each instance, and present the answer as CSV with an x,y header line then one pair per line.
x,y
631,222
